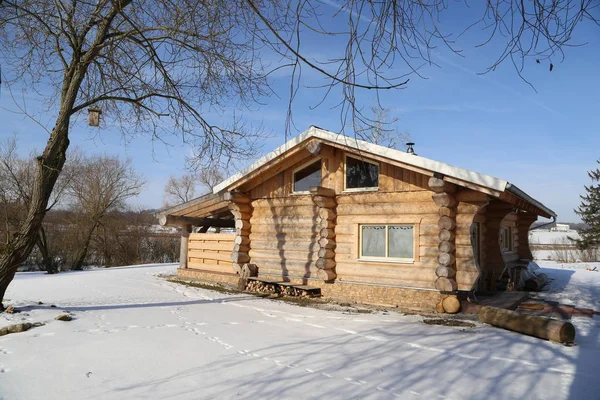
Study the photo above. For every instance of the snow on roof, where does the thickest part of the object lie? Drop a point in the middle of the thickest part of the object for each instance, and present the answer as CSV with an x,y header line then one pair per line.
x,y
482,180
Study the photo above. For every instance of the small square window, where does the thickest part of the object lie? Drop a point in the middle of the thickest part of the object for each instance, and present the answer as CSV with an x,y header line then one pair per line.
x,y
393,242
361,174
307,176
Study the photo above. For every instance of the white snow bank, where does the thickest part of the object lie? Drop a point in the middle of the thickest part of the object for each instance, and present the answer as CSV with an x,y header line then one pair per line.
x,y
136,336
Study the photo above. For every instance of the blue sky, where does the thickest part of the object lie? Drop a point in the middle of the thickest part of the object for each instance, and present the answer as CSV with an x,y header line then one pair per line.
x,y
496,124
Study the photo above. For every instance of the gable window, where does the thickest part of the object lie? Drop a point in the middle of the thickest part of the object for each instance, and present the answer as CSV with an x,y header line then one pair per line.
x,y
387,242
361,174
307,176
506,243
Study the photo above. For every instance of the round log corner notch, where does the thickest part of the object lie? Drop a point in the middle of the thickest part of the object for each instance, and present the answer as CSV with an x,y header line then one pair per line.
x,y
241,208
444,198
324,199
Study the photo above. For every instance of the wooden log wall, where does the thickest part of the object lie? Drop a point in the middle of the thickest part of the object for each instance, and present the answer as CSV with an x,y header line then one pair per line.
x,y
240,207
468,212
416,207
493,262
285,235
210,251
326,220
524,222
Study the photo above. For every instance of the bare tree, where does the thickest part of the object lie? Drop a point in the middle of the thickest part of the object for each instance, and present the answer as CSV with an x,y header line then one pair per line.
x,y
102,185
152,65
179,190
383,130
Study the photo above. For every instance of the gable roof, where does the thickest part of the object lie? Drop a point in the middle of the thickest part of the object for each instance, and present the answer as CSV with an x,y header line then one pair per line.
x,y
460,176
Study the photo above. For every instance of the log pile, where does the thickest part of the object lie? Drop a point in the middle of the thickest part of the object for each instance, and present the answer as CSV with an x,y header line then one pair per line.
x,y
326,203
240,207
273,288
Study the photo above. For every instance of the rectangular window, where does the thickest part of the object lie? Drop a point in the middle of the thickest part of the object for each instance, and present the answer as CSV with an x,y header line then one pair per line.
x,y
307,176
506,243
361,174
389,242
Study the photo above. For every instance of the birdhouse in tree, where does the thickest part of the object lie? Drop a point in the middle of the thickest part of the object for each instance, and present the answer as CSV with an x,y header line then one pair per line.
x,y
94,116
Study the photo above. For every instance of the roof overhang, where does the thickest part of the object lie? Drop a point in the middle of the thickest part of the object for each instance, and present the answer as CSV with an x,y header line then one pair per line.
x,y
484,183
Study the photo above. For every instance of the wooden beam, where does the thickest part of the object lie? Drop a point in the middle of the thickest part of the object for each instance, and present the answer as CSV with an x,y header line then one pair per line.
x,y
183,248
172,220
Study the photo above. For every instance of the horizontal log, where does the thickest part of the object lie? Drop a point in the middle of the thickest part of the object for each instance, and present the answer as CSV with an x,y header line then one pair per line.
x,y
439,185
469,195
237,197
326,202
214,237
241,240
214,246
326,213
445,272
303,245
206,266
451,305
446,223
244,208
302,237
446,247
326,274
195,254
443,200
541,327
379,197
377,209
327,233
172,220
239,215
446,259
393,271
285,265
294,201
325,263
284,220
326,253
290,230
240,248
445,284
325,243
297,255
446,211
291,211
243,225
325,223
240,257
445,235
322,191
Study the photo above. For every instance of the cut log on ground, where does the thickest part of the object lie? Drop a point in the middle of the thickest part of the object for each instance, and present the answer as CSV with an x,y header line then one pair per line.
x,y
540,327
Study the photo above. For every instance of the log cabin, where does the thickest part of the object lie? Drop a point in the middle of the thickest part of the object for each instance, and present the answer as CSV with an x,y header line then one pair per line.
x,y
362,222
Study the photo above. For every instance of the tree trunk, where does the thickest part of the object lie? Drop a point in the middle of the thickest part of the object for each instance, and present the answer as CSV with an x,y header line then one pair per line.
x,y
47,261
49,166
83,250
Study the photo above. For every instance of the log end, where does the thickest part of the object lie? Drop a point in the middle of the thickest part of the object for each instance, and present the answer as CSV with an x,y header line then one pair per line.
x,y
451,304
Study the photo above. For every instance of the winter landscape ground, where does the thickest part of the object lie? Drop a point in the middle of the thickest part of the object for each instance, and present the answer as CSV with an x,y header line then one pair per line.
x,y
136,336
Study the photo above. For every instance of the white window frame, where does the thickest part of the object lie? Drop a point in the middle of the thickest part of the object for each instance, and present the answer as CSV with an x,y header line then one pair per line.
x,y
415,257
301,167
361,189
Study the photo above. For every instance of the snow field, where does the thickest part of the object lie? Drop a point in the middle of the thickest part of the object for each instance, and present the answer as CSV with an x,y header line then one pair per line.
x,y
136,336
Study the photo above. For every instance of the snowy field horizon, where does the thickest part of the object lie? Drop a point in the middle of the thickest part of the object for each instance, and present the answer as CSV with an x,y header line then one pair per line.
x,y
135,335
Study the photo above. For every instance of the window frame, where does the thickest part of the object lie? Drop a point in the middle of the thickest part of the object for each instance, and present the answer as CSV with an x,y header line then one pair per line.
x,y
300,168
507,246
365,188
387,259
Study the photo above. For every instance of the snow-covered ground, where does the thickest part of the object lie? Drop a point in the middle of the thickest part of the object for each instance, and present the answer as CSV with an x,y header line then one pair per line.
x,y
136,336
